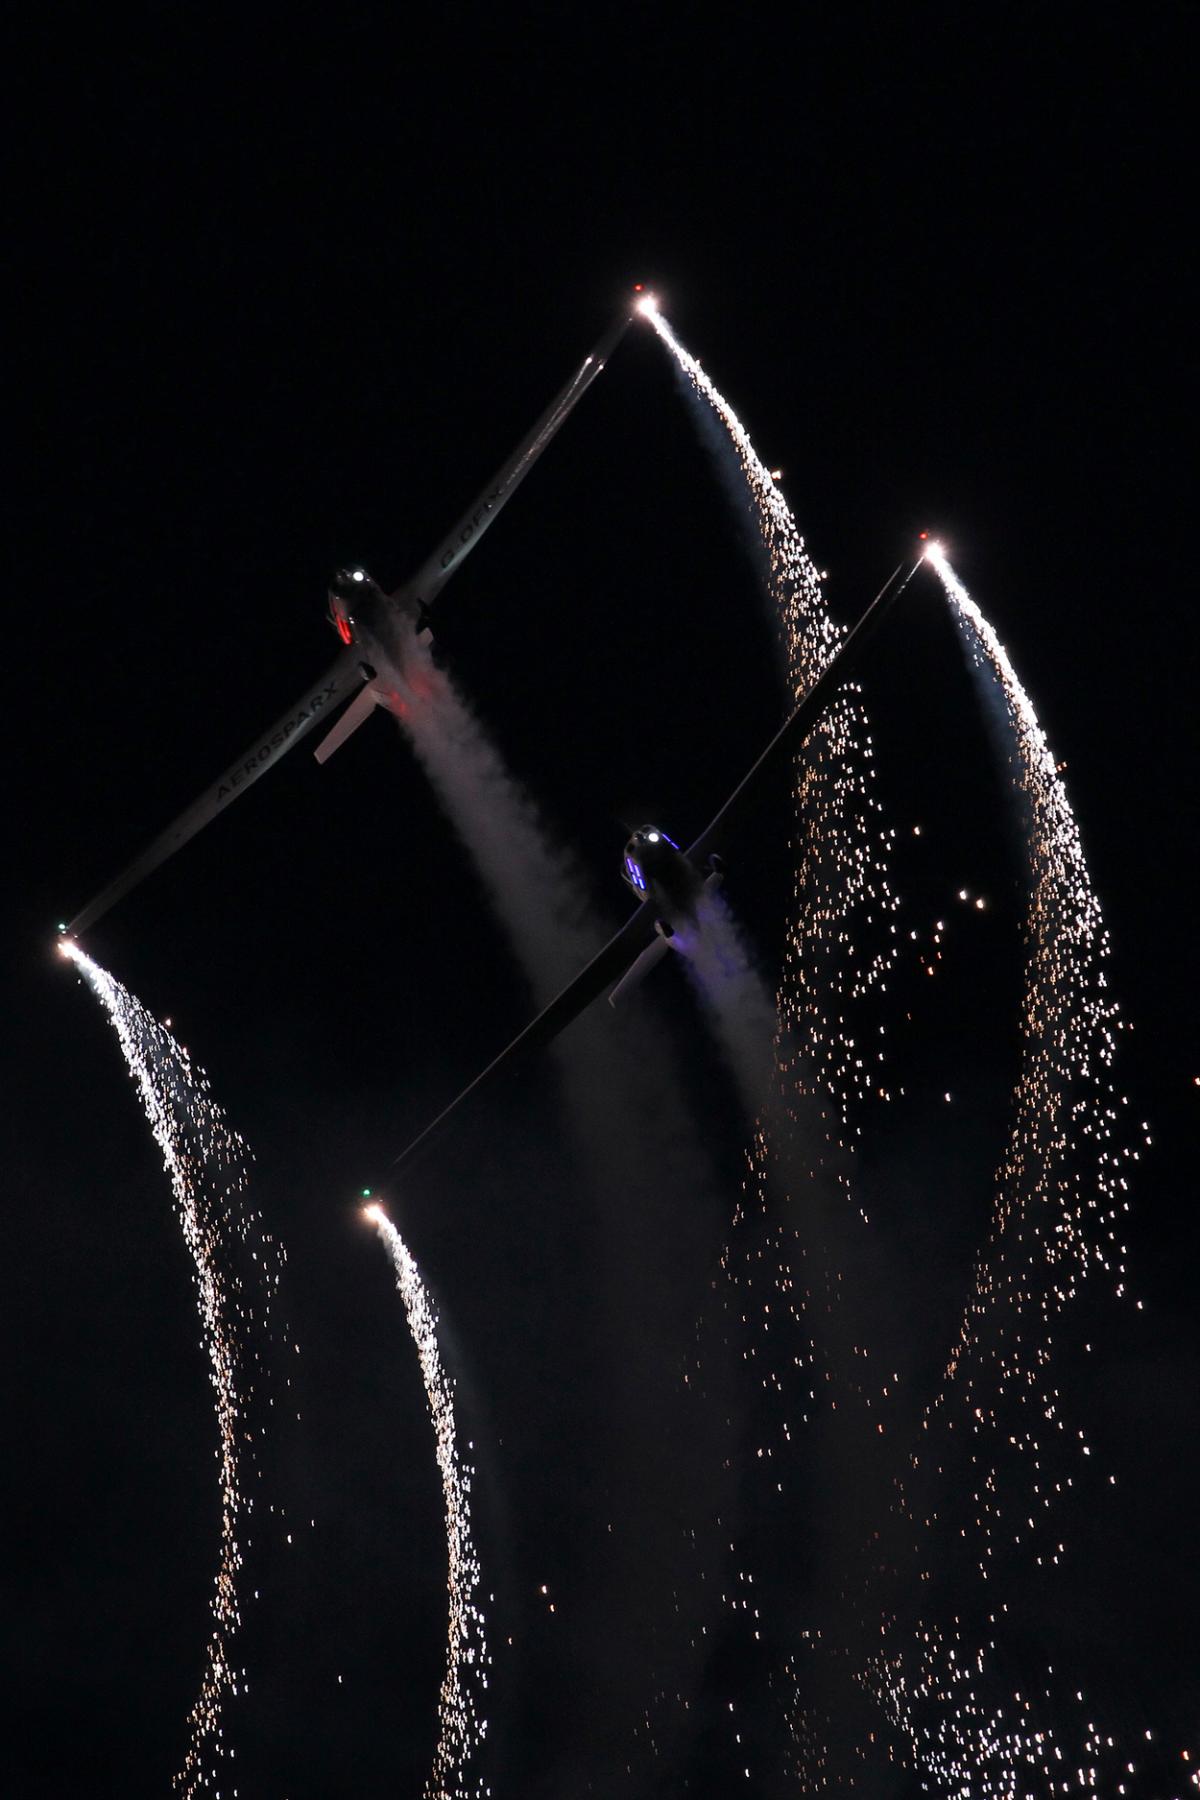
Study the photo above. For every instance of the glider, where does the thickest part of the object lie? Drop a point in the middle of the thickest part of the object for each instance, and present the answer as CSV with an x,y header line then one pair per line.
x,y
668,881
368,623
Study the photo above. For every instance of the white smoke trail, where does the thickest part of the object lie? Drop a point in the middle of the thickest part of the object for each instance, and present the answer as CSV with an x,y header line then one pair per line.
x,y
533,885
734,993
206,1163
461,1716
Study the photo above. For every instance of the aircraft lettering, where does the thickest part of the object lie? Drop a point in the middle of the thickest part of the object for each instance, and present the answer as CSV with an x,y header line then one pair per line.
x,y
265,751
467,530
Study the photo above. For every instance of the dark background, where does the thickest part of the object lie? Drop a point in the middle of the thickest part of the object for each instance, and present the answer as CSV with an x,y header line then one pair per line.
x,y
288,294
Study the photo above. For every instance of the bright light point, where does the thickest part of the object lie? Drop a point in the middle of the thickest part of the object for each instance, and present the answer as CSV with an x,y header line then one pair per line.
x,y
776,474
358,575
366,1193
374,1213
652,837
980,904
66,946
647,304
933,552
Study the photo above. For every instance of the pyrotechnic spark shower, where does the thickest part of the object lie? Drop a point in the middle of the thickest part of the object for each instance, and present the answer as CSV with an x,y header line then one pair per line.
x,y
461,1716
1061,1191
788,1287
207,1164
1059,1200
843,849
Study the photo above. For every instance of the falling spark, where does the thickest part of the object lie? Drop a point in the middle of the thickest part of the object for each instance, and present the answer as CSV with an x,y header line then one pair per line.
x,y
1069,1024
206,1163
784,1298
1059,1199
462,1721
844,850
1060,1194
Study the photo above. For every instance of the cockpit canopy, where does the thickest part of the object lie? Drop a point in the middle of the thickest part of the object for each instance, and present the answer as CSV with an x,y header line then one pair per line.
x,y
646,852
348,592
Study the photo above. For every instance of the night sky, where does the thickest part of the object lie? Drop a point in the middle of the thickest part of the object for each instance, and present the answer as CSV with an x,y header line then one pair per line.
x,y
288,296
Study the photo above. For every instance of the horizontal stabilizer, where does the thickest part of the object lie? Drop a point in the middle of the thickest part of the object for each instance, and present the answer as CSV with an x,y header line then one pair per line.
x,y
360,708
637,972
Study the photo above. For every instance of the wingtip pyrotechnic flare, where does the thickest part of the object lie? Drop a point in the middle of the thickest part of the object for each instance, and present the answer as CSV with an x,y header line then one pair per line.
x,y
374,1212
644,302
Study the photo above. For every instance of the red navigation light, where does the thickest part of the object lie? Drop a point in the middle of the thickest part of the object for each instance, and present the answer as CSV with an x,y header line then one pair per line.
x,y
924,535
343,626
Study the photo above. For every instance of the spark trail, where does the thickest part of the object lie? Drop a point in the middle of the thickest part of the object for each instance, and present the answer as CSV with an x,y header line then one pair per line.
x,y
461,1717
731,988
798,1230
842,847
998,1420
207,1165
